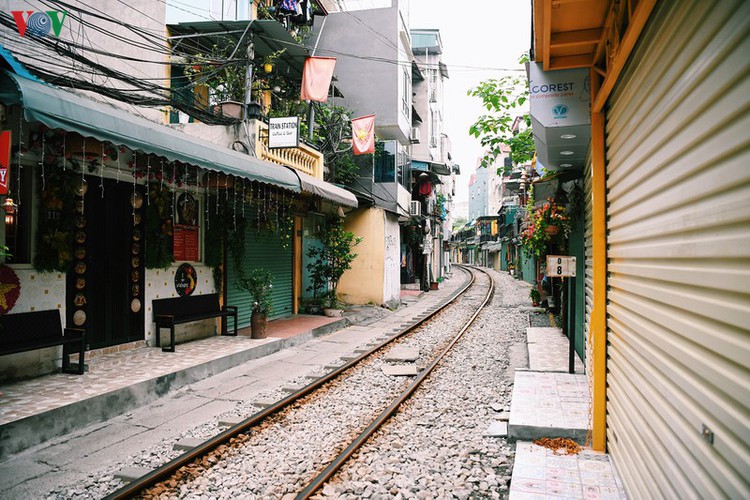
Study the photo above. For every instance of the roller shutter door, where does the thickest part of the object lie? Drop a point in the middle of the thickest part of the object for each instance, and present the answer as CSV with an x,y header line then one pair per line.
x,y
678,316
270,251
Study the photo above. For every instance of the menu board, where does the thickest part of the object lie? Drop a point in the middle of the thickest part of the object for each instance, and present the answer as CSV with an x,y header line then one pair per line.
x,y
185,242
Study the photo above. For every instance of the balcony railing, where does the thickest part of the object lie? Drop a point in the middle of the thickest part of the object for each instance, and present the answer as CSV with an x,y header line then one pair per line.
x,y
303,158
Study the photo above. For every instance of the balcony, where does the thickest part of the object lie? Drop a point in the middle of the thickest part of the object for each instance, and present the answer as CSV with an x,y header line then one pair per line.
x,y
303,158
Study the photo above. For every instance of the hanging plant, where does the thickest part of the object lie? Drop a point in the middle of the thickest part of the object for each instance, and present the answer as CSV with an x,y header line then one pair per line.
x,y
159,244
55,230
542,224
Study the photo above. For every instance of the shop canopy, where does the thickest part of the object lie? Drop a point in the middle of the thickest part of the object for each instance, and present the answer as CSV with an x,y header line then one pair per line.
x,y
60,109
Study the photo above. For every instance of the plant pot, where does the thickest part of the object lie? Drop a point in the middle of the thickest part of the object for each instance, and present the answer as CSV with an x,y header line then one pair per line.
x,y
552,230
258,324
333,313
434,285
313,308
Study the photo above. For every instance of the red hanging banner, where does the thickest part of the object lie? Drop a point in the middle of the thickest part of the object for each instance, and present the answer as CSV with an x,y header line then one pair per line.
x,y
363,135
5,140
316,78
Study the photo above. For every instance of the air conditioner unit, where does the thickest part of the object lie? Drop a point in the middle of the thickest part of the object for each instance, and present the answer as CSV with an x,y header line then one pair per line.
x,y
415,208
414,137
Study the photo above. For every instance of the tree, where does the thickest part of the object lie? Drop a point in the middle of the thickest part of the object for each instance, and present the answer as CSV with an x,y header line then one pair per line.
x,y
504,99
334,257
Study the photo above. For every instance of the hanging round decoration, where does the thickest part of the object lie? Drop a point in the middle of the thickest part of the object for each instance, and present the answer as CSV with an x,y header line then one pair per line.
x,y
136,200
185,280
136,219
136,234
79,206
79,300
79,317
80,236
80,222
135,290
80,267
80,253
80,283
135,305
135,275
135,261
10,289
136,248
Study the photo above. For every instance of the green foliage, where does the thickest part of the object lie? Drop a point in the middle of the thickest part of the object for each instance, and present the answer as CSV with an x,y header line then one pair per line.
x,y
159,246
534,295
259,286
332,259
535,237
56,229
332,134
504,99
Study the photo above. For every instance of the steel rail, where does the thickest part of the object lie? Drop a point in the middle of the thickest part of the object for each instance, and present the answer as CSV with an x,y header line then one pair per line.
x,y
168,469
337,462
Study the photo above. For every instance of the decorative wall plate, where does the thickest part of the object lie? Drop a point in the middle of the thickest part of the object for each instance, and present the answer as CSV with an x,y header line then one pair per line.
x,y
80,236
136,290
136,248
135,261
79,300
79,317
80,253
80,283
135,305
80,267
80,222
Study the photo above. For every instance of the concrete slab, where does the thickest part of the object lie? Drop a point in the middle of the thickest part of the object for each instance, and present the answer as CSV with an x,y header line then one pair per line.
x,y
292,388
497,429
230,421
264,403
186,444
541,473
549,405
130,474
403,354
400,370
497,407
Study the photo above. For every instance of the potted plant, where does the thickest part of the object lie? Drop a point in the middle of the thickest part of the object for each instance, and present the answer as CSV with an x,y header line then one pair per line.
x,y
542,224
331,260
259,286
535,296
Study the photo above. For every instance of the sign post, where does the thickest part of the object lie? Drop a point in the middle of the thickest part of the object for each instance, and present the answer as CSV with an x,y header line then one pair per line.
x,y
563,266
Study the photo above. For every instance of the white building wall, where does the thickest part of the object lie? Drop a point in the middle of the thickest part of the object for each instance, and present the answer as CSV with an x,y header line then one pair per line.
x,y
392,257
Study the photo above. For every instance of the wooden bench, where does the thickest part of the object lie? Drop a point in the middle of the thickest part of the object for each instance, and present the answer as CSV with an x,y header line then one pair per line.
x,y
29,331
178,310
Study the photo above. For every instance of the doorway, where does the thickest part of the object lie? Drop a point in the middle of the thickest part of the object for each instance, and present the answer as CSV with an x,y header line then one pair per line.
x,y
109,286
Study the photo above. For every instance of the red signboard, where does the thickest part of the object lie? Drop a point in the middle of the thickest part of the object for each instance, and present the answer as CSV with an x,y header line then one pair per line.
x,y
185,242
4,161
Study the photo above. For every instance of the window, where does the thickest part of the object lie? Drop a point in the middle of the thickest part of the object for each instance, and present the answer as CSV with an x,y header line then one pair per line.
x,y
406,95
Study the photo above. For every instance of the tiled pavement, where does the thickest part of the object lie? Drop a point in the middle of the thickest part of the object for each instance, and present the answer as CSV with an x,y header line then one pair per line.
x,y
540,473
549,402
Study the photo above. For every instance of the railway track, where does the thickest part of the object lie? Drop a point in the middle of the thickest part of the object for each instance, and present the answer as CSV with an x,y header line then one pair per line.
x,y
295,445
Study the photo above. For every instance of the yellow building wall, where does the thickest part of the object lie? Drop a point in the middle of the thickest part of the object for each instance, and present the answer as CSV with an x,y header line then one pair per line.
x,y
363,283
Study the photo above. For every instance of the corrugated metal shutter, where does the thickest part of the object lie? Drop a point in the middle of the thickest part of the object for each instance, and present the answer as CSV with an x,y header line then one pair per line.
x,y
273,252
678,183
589,256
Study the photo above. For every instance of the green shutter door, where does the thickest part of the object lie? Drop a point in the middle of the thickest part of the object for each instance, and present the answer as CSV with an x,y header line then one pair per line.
x,y
263,250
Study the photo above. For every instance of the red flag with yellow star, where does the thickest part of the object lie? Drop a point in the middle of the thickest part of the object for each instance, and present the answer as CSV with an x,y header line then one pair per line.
x,y
363,135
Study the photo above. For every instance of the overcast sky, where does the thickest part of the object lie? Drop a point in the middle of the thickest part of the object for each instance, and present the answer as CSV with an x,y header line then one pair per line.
x,y
479,39
477,35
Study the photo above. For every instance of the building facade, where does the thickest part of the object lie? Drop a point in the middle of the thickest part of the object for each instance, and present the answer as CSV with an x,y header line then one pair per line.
x,y
667,299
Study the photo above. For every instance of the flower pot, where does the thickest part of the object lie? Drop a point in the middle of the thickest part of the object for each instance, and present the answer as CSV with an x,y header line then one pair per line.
x,y
313,308
434,285
333,313
552,230
258,324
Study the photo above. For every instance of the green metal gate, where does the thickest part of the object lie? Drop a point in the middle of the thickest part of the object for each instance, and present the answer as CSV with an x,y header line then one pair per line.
x,y
272,251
